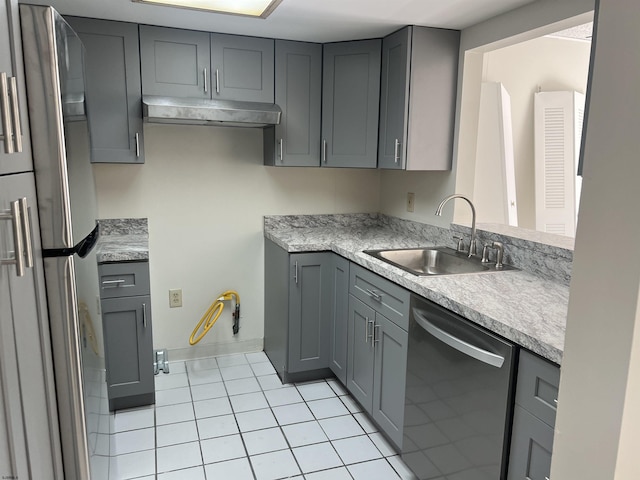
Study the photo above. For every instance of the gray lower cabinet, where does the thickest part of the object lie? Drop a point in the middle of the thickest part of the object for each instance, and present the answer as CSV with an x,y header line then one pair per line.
x,y
534,418
339,318
350,103
186,63
15,144
114,92
128,335
298,298
295,142
377,349
418,95
376,370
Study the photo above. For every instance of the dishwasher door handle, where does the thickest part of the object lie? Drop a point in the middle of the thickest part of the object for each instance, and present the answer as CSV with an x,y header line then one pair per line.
x,y
473,351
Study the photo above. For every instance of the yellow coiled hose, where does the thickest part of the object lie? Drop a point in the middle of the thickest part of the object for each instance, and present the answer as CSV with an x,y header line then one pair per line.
x,y
213,313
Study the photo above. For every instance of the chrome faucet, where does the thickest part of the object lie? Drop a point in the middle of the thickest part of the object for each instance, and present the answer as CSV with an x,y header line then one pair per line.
x,y
472,244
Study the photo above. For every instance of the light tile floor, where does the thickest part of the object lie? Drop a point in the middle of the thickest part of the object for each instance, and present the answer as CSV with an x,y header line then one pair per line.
x,y
229,417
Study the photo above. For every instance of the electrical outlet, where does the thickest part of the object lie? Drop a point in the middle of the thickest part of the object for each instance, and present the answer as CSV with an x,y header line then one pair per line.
x,y
411,201
175,297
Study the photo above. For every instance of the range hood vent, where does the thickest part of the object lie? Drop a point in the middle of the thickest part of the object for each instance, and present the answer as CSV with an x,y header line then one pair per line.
x,y
196,111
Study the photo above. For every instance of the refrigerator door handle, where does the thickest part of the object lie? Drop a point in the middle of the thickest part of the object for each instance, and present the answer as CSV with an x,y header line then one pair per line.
x,y
25,216
5,112
15,216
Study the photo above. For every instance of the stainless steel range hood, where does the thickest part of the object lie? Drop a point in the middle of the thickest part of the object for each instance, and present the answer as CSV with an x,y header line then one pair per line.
x,y
196,111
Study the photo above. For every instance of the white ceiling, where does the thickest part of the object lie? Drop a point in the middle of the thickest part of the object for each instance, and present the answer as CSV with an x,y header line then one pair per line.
x,y
310,20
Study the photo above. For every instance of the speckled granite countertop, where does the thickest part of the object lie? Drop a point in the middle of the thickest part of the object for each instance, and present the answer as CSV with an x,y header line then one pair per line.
x,y
528,309
123,240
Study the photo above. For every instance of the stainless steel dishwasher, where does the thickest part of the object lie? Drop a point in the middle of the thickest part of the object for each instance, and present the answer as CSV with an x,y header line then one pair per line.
x,y
457,398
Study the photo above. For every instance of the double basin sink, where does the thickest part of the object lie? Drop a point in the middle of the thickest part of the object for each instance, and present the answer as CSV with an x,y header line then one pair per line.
x,y
435,261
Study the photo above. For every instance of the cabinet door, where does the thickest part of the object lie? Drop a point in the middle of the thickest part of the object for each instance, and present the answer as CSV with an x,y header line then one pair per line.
x,y
434,80
389,377
29,429
114,95
126,322
298,93
360,352
17,120
175,62
309,298
339,316
394,99
351,97
531,447
242,68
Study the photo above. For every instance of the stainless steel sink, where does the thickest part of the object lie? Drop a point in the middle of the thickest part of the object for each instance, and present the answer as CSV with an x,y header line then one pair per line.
x,y
434,261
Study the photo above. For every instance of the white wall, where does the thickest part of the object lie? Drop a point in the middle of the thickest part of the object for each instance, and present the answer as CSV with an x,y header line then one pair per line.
x,y
550,63
597,427
205,191
519,25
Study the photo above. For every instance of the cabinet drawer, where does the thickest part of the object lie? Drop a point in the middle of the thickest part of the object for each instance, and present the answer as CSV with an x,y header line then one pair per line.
x,y
124,279
537,388
383,296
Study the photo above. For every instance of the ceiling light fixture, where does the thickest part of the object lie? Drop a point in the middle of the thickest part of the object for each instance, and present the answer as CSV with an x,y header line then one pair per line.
x,y
249,8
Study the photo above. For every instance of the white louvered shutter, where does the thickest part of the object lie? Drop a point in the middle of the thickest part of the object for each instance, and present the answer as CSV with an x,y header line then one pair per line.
x,y
558,127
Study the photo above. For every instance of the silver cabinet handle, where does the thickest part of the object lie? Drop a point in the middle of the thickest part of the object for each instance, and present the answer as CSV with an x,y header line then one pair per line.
x,y
5,111
463,347
375,295
370,328
206,80
396,151
137,145
15,216
144,315
26,231
324,150
295,273
376,338
17,128
113,282
282,149
217,80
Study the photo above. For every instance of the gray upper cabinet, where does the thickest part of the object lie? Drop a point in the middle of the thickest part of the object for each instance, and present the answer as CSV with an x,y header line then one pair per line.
x,y
394,92
185,63
114,95
350,101
174,62
418,94
242,68
295,142
15,143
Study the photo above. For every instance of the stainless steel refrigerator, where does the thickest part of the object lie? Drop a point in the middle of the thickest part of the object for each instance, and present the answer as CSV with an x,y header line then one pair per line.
x,y
53,58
